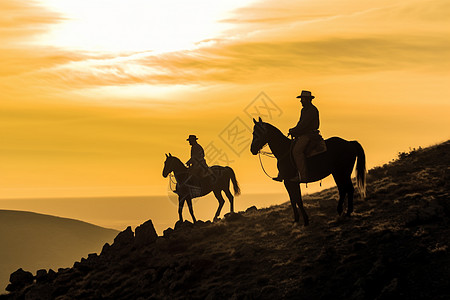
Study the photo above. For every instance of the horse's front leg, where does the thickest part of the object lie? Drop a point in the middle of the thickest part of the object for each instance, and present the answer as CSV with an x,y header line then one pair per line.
x,y
290,187
219,198
191,210
180,207
295,196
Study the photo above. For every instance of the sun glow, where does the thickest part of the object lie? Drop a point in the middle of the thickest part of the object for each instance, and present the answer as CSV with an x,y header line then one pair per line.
x,y
137,25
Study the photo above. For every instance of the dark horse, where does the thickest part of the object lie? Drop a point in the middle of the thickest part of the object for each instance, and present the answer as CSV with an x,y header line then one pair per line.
x,y
190,186
338,161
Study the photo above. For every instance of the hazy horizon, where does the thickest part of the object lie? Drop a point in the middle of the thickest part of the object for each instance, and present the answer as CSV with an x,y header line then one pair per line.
x,y
132,211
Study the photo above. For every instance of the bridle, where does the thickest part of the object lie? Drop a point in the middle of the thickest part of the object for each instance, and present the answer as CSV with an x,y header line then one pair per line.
x,y
268,154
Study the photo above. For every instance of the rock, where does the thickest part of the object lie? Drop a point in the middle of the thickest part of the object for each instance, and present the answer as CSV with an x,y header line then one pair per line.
x,y
145,234
183,225
167,232
51,275
233,217
105,249
19,279
92,258
125,237
41,276
63,270
86,265
251,208
201,223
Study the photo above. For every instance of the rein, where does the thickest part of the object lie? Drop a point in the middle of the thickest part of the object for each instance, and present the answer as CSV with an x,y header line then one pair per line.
x,y
270,154
171,181
265,153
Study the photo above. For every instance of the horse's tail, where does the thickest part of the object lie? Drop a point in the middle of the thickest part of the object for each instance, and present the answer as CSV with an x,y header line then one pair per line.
x,y
237,189
360,168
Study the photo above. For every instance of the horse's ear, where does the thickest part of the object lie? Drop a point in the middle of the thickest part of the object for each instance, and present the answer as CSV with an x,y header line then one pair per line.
x,y
170,154
254,121
260,119
167,155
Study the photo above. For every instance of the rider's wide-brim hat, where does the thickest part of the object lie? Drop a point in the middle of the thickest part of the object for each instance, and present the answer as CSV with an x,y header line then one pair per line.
x,y
306,94
192,137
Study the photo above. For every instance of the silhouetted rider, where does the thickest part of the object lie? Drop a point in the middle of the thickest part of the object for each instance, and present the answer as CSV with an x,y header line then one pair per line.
x,y
305,130
197,163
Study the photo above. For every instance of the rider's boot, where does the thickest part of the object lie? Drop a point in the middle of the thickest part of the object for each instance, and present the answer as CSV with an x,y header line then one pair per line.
x,y
278,178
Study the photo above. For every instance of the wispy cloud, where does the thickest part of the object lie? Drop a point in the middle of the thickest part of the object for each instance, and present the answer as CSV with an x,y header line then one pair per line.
x,y
22,19
288,39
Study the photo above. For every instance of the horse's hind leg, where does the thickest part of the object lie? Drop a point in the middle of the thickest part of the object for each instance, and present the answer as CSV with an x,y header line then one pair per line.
x,y
345,187
219,197
350,192
303,211
342,192
191,210
231,198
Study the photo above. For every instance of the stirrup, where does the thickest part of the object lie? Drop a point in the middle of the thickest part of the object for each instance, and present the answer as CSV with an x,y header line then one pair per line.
x,y
278,178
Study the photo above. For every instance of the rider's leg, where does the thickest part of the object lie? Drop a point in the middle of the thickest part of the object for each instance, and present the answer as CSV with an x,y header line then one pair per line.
x,y
300,158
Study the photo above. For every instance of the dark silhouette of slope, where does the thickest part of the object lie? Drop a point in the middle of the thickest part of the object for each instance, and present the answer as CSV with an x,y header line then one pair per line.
x,y
395,246
36,241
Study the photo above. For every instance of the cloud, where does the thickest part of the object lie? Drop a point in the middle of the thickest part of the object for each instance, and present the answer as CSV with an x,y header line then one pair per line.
x,y
275,41
22,19
242,63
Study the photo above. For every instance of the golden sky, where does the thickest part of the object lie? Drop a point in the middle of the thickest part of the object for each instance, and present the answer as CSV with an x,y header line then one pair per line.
x,y
94,93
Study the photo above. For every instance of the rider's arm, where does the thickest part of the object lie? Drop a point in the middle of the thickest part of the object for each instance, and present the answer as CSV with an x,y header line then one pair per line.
x,y
307,122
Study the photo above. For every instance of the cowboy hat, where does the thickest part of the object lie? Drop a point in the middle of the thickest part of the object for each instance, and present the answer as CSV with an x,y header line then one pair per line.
x,y
306,94
192,137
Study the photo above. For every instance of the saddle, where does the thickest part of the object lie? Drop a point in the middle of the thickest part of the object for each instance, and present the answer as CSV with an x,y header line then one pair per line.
x,y
316,144
315,147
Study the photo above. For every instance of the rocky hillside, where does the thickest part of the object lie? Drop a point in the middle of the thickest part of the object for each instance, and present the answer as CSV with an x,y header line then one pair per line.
x,y
395,246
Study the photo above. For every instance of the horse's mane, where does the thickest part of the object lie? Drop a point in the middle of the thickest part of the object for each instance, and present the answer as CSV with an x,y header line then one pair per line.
x,y
177,159
273,128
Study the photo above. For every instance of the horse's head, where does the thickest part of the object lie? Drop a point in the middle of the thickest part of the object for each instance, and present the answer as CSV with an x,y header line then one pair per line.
x,y
259,136
169,165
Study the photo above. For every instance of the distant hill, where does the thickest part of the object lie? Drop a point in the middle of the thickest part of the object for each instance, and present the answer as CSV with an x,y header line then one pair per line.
x,y
36,241
395,246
